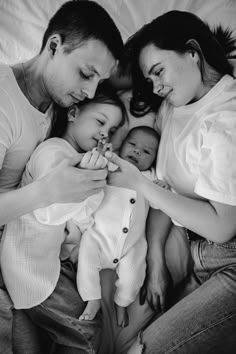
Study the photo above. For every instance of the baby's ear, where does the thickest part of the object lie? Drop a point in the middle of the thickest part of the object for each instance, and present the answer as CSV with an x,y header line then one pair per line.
x,y
73,111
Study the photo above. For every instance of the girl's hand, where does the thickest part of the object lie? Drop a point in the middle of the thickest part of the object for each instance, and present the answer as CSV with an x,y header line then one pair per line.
x,y
126,176
93,160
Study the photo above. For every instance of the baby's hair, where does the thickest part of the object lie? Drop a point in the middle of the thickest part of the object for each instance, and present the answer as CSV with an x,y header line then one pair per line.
x,y
105,94
144,129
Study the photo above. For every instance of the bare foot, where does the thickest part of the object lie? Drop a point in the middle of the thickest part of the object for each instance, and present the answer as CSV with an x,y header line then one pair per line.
x,y
122,316
90,311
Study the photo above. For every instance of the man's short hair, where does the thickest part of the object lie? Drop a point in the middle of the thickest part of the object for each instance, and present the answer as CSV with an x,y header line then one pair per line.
x,y
80,20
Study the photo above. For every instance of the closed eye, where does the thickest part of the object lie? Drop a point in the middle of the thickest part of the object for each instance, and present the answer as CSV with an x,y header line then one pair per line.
x,y
100,122
158,72
147,152
85,76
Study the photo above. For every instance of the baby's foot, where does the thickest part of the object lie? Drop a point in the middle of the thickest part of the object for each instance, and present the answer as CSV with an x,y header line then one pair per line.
x,y
122,316
90,311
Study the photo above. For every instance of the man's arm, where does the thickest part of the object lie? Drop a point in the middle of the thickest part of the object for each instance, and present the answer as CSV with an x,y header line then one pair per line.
x,y
65,184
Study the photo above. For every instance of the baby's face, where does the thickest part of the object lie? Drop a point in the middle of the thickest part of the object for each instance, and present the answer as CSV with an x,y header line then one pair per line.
x,y
140,149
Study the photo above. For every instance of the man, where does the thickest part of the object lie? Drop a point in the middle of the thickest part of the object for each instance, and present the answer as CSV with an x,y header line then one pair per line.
x,y
80,48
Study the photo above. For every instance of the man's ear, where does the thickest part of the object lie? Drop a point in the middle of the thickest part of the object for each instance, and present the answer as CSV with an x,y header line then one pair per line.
x,y
194,49
72,113
53,43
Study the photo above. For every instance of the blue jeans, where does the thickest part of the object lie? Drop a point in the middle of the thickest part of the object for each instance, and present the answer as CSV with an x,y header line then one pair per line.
x,y
18,334
204,321
59,315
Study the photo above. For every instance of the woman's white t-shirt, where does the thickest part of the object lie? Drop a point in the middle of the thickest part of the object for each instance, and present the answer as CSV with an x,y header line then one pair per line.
x,y
197,152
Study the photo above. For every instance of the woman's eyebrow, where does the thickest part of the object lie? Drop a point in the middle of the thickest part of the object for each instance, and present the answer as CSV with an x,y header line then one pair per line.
x,y
153,67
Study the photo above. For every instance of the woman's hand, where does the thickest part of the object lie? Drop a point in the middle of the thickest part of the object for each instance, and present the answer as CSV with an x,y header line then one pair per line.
x,y
156,287
126,176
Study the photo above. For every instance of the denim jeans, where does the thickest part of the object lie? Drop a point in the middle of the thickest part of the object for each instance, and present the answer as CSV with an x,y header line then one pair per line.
x,y
59,315
204,321
18,334
6,320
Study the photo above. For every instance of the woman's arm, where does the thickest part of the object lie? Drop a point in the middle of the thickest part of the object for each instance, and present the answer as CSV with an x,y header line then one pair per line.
x,y
212,220
158,280
65,184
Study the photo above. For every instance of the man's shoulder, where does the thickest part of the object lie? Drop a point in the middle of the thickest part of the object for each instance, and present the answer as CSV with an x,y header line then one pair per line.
x,y
7,86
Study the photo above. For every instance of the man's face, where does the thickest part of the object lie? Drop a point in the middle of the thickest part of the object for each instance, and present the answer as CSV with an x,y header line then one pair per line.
x,y
69,78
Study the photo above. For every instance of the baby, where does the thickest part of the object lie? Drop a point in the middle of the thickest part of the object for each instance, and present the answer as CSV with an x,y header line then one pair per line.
x,y
117,240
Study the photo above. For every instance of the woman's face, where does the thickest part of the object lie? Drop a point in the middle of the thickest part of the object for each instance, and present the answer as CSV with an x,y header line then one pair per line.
x,y
175,77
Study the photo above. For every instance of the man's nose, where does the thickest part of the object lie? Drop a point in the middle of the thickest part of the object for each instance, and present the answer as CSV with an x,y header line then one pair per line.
x,y
90,89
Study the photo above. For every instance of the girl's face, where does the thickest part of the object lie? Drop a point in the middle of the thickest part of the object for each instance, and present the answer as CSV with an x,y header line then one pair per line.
x,y
175,77
90,123
140,149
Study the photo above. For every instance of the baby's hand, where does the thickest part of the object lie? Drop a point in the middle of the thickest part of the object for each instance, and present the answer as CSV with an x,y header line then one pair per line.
x,y
93,160
103,146
162,184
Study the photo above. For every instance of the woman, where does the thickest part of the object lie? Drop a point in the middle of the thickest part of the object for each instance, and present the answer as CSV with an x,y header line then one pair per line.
x,y
186,65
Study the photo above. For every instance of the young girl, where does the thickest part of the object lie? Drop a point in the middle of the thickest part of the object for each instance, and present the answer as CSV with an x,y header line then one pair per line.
x,y
30,255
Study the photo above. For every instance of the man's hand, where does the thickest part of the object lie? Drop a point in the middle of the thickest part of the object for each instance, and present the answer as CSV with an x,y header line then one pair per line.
x,y
156,287
70,184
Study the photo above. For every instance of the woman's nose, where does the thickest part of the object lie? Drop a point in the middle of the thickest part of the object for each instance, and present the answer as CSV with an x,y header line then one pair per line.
x,y
157,87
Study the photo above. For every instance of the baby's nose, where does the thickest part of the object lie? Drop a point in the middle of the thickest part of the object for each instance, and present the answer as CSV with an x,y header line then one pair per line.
x,y
137,151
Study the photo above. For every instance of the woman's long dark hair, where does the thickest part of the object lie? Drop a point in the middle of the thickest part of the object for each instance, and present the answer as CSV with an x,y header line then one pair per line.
x,y
176,30
105,94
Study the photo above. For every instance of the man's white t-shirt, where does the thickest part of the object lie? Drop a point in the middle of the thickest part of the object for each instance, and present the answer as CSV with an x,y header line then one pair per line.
x,y
22,128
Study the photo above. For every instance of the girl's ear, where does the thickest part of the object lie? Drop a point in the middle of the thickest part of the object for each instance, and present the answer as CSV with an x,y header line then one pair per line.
x,y
72,113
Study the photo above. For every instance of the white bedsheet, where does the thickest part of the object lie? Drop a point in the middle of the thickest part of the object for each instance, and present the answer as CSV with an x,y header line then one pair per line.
x,y
22,22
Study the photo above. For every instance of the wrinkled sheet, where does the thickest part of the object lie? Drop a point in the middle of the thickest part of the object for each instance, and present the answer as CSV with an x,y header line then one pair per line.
x,y
23,22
